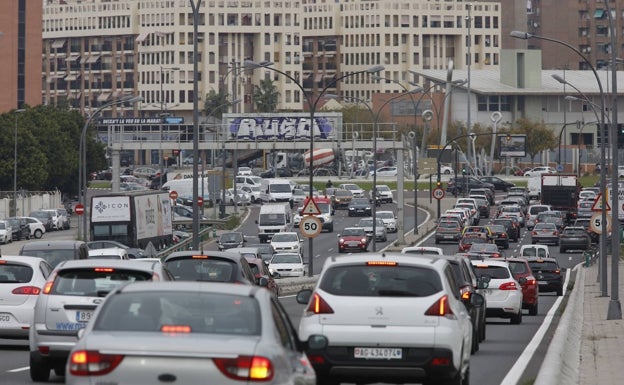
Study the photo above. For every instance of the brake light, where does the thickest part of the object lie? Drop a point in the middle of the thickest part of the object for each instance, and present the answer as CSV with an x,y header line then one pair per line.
x,y
440,308
557,271
554,232
250,368
175,329
531,280
508,286
319,306
533,232
381,263
104,269
440,361
26,290
93,363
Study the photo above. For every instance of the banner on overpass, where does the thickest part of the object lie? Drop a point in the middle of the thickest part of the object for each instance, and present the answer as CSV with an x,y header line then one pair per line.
x,y
282,126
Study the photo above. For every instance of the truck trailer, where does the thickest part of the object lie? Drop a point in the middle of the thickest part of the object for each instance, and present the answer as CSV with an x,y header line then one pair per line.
x,y
135,219
561,191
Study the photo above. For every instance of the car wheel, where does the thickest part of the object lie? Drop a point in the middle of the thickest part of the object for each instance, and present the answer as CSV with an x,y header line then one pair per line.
x,y
38,234
39,370
325,381
533,309
516,319
475,341
482,329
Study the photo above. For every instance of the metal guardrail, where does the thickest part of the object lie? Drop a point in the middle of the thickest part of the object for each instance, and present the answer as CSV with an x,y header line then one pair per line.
x,y
187,244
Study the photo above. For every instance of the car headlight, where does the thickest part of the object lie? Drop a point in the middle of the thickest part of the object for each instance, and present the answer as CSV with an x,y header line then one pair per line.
x,y
298,269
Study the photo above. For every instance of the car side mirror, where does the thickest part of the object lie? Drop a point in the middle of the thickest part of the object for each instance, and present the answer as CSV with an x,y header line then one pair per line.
x,y
522,280
303,296
262,281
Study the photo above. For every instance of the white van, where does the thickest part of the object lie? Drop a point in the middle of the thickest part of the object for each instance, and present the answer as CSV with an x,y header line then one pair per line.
x,y
247,180
275,190
184,188
273,218
539,251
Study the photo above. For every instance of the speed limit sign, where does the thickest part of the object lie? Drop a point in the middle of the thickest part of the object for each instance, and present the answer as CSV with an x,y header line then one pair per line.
x,y
310,226
595,223
438,193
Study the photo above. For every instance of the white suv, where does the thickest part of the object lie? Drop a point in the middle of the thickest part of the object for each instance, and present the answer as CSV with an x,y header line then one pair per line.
x,y
504,294
359,304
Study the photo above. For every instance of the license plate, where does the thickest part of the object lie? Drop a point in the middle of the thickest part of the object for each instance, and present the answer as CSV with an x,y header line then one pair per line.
x,y
83,316
449,237
5,318
378,353
542,283
353,244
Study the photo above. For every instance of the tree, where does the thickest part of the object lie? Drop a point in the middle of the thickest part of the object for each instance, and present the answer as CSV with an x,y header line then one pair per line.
x,y
215,103
265,96
538,137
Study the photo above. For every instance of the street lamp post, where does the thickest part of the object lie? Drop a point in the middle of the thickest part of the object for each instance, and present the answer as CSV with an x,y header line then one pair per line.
x,y
312,104
469,61
195,4
14,208
82,175
495,117
412,136
163,114
603,172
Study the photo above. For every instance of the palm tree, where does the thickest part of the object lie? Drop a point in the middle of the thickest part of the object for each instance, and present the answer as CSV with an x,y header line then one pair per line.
x,y
265,96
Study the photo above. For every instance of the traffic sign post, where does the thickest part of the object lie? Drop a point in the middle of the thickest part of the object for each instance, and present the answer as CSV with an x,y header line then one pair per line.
x,y
438,193
310,226
310,208
200,201
173,194
79,209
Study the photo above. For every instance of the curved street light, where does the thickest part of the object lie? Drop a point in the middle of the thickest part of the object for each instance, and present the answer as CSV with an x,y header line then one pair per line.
x,y
375,134
312,104
82,161
603,173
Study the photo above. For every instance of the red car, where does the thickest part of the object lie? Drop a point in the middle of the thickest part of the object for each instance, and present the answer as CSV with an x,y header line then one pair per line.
x,y
522,273
353,239
466,242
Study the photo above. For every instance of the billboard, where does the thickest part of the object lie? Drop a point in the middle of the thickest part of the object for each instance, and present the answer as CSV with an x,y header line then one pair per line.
x,y
512,146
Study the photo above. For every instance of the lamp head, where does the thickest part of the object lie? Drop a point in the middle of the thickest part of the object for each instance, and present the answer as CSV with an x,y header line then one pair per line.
x,y
375,69
559,79
520,35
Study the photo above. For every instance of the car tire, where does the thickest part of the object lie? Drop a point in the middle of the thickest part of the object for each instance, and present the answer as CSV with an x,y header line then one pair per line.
x,y
39,370
533,309
475,341
482,330
326,381
516,319
38,234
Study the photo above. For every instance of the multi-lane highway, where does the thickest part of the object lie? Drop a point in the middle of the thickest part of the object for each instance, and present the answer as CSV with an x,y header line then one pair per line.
x,y
511,353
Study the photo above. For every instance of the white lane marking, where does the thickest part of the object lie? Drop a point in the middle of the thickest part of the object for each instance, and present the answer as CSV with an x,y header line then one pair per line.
x,y
19,369
513,376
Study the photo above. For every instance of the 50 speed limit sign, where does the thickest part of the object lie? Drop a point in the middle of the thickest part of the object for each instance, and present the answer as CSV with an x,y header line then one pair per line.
x,y
596,225
310,226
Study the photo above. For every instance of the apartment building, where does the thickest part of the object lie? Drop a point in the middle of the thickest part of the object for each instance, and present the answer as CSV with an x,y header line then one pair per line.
x,y
20,63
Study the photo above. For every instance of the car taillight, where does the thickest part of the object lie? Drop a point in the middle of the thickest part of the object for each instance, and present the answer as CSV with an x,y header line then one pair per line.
x,y
319,306
249,368
555,233
531,280
440,308
508,286
93,363
504,235
27,290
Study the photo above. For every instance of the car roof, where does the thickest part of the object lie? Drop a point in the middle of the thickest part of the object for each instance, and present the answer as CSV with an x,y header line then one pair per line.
x,y
112,263
107,251
22,258
217,287
384,257
189,254
42,245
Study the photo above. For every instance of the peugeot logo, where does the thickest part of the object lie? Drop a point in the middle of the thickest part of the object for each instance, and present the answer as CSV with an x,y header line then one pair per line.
x,y
378,310
98,301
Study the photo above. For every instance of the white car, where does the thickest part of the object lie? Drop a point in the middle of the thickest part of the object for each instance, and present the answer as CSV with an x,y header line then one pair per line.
x,y
540,170
384,194
37,229
253,192
389,220
287,265
385,171
446,170
109,253
356,191
381,233
244,171
6,232
286,242
21,280
504,293
423,250
359,303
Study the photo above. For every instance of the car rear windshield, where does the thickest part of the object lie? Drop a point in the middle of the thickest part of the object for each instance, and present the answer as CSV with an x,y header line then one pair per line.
x,y
15,273
202,269
52,256
494,272
95,281
546,265
381,281
184,312
575,232
518,267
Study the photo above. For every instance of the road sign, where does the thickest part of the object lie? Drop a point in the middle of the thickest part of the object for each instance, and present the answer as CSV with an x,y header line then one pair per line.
x,y
310,208
200,201
310,226
438,193
173,194
559,168
595,223
597,206
79,209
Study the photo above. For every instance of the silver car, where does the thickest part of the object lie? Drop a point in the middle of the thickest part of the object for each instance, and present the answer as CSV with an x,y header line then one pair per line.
x,y
191,333
68,302
381,233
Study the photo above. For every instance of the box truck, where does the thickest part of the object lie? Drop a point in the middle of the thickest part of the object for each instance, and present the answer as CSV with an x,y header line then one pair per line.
x,y
135,219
